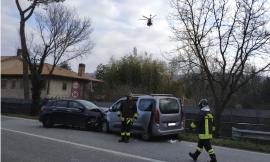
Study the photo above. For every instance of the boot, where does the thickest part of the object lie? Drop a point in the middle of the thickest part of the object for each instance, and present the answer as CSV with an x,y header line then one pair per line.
x,y
122,139
213,158
126,140
195,155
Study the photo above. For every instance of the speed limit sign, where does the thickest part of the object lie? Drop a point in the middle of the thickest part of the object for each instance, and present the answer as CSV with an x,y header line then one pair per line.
x,y
75,94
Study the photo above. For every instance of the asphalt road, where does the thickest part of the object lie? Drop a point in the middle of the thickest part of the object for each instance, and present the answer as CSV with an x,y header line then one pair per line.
x,y
24,140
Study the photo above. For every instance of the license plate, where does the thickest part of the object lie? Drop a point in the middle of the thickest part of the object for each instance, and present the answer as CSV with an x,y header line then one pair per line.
x,y
171,124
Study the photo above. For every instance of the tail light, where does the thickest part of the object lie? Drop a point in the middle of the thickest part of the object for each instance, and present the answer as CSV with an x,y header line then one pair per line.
x,y
157,116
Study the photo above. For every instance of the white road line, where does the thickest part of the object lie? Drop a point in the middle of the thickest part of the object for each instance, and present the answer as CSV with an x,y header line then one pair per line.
x,y
85,146
228,148
21,118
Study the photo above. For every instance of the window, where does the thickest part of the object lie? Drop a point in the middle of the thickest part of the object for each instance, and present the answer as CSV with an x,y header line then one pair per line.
x,y
64,86
168,106
75,105
43,84
21,84
60,104
3,84
146,104
117,106
13,84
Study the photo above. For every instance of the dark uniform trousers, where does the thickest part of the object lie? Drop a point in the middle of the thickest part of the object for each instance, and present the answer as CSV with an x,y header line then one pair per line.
x,y
125,127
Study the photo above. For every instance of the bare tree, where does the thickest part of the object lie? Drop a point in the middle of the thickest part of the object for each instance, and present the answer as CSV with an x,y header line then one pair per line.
x,y
62,36
220,39
25,14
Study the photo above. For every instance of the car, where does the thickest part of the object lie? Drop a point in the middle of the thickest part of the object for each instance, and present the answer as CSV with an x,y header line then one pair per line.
x,y
159,115
70,112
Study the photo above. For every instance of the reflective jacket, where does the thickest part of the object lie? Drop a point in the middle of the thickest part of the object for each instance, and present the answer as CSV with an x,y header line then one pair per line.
x,y
128,109
204,124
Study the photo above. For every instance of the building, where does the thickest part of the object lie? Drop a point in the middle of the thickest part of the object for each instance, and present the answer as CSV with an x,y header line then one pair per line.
x,y
63,84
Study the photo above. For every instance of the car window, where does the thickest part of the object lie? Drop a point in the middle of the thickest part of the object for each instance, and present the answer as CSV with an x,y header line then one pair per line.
x,y
60,104
75,105
168,106
88,105
146,104
116,107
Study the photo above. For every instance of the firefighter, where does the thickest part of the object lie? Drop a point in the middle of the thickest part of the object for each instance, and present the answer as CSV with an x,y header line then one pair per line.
x,y
204,126
127,113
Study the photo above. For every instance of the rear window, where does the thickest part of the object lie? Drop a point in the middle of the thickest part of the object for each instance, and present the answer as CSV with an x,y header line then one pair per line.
x,y
168,106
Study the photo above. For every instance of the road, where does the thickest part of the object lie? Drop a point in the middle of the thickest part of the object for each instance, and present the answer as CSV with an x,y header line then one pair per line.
x,y
25,140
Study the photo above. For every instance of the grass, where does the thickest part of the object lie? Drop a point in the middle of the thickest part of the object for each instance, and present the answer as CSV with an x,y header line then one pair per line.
x,y
246,144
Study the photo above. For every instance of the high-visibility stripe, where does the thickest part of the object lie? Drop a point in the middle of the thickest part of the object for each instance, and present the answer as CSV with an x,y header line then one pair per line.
x,y
199,149
122,133
193,125
206,126
127,133
128,121
205,136
211,151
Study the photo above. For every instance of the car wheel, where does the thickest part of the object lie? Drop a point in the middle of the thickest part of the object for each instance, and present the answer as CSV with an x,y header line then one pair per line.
x,y
146,136
105,127
47,122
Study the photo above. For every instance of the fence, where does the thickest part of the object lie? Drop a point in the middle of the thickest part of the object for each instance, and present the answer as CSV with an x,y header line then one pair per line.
x,y
250,134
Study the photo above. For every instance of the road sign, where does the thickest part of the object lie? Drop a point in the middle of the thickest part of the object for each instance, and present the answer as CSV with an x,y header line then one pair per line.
x,y
75,85
75,94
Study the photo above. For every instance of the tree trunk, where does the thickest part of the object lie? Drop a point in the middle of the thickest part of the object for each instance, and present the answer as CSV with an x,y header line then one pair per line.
x,y
36,95
24,56
217,123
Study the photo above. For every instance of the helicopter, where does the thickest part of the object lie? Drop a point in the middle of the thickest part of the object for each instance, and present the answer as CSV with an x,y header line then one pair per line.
x,y
149,19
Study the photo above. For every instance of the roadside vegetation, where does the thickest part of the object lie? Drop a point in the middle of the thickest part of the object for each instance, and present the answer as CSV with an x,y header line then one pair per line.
x,y
244,144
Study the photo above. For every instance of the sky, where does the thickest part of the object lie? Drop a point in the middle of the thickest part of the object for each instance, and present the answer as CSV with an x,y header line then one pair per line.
x,y
117,29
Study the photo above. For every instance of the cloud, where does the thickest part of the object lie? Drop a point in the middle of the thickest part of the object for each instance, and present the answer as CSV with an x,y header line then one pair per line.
x,y
116,28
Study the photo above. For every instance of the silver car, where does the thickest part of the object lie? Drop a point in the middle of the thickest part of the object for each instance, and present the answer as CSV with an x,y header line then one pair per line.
x,y
158,115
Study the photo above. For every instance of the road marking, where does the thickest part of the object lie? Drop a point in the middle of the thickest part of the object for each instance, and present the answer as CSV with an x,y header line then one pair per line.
x,y
227,148
85,146
21,118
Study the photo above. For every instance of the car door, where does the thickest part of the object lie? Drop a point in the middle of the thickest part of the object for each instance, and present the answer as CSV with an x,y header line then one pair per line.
x,y
113,119
59,111
144,108
75,114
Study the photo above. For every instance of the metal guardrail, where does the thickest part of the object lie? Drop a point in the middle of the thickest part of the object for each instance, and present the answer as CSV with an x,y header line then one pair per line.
x,y
251,134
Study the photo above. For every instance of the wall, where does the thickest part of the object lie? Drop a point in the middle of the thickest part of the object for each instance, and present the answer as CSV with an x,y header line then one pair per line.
x,y
17,90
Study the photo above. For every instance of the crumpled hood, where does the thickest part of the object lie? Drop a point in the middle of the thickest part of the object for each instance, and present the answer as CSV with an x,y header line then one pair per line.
x,y
205,108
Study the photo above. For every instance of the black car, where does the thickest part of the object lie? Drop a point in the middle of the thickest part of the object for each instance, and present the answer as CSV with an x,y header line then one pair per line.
x,y
76,113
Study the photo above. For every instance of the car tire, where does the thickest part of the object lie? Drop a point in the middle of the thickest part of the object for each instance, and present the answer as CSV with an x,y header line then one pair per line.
x,y
47,122
105,127
146,136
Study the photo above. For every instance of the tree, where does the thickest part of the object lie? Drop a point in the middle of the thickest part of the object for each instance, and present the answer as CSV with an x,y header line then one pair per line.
x,y
219,39
25,14
65,65
62,36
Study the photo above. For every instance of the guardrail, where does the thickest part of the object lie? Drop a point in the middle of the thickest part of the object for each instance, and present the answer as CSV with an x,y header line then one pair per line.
x,y
251,134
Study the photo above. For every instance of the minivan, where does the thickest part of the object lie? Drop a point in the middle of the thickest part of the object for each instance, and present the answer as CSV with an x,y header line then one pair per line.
x,y
158,115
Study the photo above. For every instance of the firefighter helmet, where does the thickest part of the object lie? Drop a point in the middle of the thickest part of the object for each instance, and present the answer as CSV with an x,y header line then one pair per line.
x,y
203,103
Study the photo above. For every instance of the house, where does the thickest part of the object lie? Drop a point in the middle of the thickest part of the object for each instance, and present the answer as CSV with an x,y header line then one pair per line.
x,y
64,83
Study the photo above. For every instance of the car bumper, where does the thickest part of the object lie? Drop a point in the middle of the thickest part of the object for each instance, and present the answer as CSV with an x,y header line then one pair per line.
x,y
156,131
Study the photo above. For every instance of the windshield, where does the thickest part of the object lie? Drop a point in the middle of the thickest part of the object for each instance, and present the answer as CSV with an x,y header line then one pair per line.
x,y
89,105
168,106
